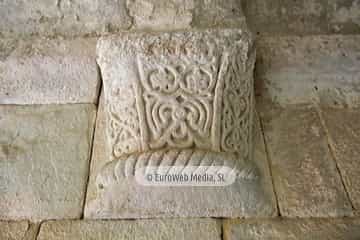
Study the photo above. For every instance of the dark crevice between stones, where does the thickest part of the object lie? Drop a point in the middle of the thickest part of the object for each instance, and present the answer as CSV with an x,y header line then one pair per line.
x,y
262,132
92,142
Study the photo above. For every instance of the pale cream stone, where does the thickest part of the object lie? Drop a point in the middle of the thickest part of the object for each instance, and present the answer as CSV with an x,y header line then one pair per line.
x,y
161,14
177,99
176,229
294,229
13,230
305,176
62,17
111,194
178,90
218,13
322,69
343,126
45,71
184,14
44,158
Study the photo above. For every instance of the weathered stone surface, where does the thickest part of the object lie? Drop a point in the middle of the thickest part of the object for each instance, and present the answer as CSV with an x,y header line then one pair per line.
x,y
305,175
62,17
178,91
43,71
278,17
295,229
161,14
177,229
303,17
218,13
344,129
344,16
122,197
325,69
177,99
44,157
13,230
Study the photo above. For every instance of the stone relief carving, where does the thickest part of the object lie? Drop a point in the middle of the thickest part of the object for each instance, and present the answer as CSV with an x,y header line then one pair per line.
x,y
180,90
182,99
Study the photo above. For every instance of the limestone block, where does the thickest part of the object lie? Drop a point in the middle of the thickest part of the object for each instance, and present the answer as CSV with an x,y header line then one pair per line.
x,y
344,16
62,17
177,99
176,229
306,179
322,69
183,14
44,71
13,230
344,128
277,17
44,157
218,13
161,14
111,194
303,17
178,90
295,229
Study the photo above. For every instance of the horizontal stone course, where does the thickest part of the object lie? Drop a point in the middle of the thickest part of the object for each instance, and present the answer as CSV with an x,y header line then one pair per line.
x,y
294,229
44,158
176,229
322,69
62,17
22,18
304,171
46,71
303,17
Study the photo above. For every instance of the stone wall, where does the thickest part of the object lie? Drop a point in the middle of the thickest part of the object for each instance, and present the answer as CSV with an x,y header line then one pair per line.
x,y
57,78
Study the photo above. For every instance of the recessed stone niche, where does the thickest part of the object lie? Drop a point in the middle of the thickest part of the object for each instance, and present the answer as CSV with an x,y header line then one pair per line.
x,y
177,99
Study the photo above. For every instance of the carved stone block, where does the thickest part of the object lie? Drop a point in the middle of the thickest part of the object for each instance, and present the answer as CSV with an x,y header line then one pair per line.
x,y
178,91
177,99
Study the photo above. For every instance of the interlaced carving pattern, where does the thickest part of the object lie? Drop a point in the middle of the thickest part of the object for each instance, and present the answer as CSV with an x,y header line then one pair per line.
x,y
190,92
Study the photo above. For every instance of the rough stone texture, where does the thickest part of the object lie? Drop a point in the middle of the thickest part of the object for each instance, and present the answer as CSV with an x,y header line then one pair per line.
x,y
13,230
344,129
303,17
325,69
176,229
306,180
344,16
252,197
62,17
170,103
218,13
178,91
161,14
43,71
296,229
44,157
274,17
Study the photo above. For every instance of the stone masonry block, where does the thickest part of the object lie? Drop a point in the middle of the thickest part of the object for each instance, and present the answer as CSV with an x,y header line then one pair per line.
x,y
321,69
176,229
178,99
304,171
62,17
45,71
295,229
44,159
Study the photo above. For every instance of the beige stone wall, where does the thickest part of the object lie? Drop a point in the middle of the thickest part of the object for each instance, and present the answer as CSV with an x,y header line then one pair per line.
x,y
57,181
